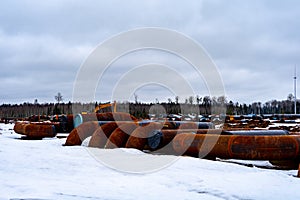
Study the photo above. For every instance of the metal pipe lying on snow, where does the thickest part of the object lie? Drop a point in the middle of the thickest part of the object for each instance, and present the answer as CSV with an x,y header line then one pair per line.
x,y
20,127
160,138
35,130
277,147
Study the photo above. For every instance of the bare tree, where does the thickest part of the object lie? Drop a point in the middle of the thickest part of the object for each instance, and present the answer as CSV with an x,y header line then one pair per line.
x,y
290,97
198,99
135,98
58,98
156,101
207,103
191,100
177,99
274,104
222,100
259,107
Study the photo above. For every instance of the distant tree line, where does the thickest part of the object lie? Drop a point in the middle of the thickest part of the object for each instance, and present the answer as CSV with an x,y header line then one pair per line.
x,y
198,105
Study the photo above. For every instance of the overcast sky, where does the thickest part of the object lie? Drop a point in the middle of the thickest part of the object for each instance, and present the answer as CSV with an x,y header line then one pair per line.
x,y
254,43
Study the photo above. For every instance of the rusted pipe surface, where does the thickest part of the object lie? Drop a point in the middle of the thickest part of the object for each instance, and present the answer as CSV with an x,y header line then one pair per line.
x,y
285,147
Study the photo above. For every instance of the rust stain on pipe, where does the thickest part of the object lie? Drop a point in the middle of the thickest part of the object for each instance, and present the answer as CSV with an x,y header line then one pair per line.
x,y
164,137
40,131
138,138
120,135
35,130
81,132
100,136
263,147
285,147
20,128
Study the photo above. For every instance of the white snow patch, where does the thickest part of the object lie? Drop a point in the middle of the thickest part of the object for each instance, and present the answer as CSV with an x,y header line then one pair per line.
x,y
44,169
86,141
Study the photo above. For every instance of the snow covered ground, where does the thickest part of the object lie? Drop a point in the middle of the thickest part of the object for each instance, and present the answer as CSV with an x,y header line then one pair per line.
x,y
44,169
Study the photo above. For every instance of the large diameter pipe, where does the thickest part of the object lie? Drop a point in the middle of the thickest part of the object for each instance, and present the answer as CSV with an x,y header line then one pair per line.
x,y
19,127
35,130
77,135
58,125
120,135
256,132
100,136
99,132
104,118
162,138
40,131
65,122
284,147
193,125
138,138
108,116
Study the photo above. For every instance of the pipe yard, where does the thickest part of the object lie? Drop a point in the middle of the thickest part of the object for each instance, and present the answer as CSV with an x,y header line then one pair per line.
x,y
272,140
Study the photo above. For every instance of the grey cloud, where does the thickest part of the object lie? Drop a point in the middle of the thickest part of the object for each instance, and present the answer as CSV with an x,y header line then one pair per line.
x,y
32,66
42,43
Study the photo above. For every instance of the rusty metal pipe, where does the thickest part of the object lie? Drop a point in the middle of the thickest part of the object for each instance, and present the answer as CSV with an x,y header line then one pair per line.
x,y
34,130
120,135
105,117
19,127
40,131
256,132
194,125
284,147
81,132
161,138
101,135
138,138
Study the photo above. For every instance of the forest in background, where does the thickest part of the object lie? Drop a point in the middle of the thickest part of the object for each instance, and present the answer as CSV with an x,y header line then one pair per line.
x,y
196,105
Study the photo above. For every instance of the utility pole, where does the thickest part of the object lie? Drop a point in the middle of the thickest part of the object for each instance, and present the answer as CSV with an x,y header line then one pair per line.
x,y
295,90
